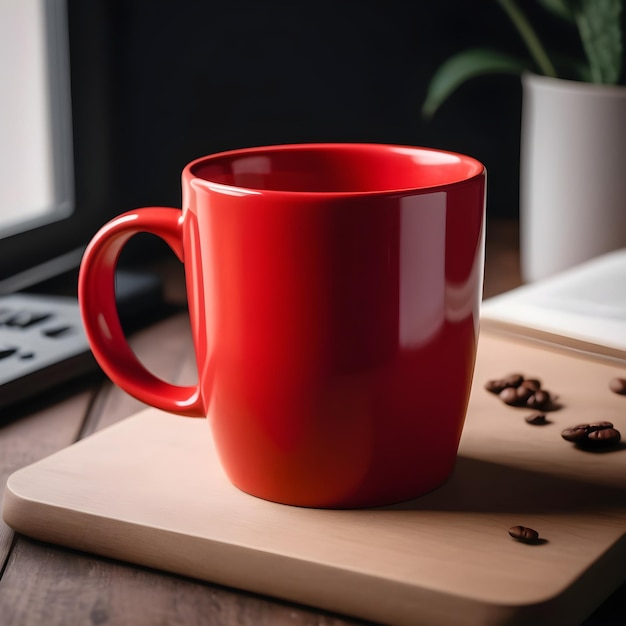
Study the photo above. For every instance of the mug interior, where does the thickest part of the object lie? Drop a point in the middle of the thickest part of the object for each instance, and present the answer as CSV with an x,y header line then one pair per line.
x,y
336,168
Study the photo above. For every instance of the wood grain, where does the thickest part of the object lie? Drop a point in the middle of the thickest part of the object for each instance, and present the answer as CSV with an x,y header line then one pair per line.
x,y
33,437
97,591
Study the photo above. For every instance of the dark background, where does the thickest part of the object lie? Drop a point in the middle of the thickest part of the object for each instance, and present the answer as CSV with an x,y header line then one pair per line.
x,y
157,83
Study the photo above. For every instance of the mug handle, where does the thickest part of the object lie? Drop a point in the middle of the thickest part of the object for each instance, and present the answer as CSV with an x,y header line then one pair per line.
x,y
96,295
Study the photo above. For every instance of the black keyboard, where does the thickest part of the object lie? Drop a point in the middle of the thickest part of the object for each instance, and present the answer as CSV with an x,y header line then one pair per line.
x,y
42,341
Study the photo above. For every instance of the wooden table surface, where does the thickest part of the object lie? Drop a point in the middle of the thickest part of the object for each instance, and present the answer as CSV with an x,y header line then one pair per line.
x,y
46,584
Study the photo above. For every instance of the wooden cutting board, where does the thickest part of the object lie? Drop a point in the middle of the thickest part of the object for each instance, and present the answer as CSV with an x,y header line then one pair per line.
x,y
149,490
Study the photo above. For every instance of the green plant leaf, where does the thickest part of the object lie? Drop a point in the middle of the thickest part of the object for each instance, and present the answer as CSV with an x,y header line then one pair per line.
x,y
528,34
464,66
561,8
599,24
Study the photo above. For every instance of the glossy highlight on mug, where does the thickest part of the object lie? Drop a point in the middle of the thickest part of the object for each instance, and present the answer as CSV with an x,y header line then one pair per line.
x,y
333,297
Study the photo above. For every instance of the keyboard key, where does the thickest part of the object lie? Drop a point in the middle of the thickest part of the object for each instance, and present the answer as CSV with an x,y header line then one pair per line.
x,y
43,343
6,351
26,319
58,331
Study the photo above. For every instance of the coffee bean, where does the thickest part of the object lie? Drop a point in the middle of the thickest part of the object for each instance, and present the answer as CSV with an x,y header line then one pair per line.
x,y
495,386
606,436
523,395
575,434
536,419
531,383
509,396
599,425
524,534
513,380
594,435
515,390
618,385
540,399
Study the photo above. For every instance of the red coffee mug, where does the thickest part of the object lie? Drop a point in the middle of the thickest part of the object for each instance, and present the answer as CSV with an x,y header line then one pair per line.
x,y
334,294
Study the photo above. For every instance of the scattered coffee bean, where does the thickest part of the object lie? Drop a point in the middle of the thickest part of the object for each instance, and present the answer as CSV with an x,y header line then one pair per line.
x,y
513,380
599,425
531,383
593,436
523,395
575,434
540,399
524,534
515,390
606,436
618,385
494,386
509,396
497,385
536,419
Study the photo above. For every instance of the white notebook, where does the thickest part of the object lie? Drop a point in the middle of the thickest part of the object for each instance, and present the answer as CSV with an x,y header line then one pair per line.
x,y
583,308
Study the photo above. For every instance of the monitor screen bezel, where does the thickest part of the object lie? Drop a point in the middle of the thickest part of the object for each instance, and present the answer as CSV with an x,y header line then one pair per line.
x,y
45,250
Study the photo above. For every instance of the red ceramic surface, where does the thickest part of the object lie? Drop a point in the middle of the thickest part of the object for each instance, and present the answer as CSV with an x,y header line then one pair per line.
x,y
333,293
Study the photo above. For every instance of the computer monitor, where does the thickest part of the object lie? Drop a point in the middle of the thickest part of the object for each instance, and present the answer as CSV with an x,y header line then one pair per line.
x,y
53,128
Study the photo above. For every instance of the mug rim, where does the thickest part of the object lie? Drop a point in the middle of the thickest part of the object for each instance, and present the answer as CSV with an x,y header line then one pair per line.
x,y
189,175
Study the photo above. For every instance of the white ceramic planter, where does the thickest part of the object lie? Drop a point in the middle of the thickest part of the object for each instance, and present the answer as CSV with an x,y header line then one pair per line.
x,y
573,173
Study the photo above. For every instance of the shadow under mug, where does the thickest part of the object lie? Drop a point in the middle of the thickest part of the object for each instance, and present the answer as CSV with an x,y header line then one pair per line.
x,y
333,294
